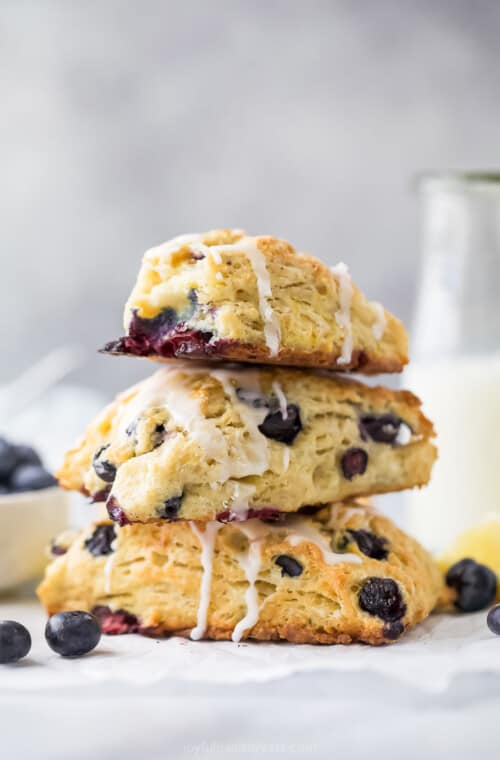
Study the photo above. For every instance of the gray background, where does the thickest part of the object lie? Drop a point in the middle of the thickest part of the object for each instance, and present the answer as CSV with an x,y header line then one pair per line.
x,y
125,123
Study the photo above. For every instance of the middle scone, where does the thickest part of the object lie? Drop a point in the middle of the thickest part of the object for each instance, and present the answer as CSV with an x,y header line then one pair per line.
x,y
196,443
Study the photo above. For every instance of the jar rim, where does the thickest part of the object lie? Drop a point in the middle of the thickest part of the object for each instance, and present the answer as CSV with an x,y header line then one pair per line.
x,y
458,180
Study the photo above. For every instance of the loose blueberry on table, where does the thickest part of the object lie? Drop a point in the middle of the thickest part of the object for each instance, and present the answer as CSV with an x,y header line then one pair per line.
x,y
72,634
21,469
475,584
15,641
493,619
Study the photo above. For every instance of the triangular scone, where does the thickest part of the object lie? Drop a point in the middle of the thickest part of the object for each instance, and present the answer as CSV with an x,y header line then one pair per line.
x,y
344,574
202,442
225,295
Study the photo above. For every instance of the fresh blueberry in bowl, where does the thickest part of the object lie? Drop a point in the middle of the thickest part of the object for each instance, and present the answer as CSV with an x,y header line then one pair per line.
x,y
15,641
73,634
31,477
21,469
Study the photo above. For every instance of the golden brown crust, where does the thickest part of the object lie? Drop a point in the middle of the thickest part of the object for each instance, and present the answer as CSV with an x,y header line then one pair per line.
x,y
156,574
217,447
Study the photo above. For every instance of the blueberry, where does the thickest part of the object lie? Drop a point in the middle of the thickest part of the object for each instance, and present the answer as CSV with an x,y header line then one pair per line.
x,y
72,634
394,630
31,477
289,566
170,508
56,550
370,544
493,619
100,541
15,641
8,459
382,597
475,584
26,455
382,428
354,462
282,429
103,468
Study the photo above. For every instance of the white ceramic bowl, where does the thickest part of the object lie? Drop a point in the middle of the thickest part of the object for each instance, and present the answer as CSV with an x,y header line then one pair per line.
x,y
28,523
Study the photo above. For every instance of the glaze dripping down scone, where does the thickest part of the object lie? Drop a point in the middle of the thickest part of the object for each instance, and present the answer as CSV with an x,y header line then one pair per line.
x,y
342,575
196,443
225,295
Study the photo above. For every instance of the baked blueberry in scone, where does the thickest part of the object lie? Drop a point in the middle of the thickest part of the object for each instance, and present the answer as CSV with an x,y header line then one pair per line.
x,y
268,581
226,295
205,443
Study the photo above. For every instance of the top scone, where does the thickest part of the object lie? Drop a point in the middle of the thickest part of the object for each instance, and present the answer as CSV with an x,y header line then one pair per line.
x,y
224,295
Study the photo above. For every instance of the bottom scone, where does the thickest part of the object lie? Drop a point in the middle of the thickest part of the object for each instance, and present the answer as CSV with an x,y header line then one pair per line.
x,y
341,575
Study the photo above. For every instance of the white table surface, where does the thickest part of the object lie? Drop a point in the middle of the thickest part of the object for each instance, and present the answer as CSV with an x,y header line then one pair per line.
x,y
330,715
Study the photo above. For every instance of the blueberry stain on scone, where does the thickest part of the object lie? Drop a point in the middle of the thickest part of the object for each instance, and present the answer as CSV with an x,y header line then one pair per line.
x,y
56,550
100,496
104,469
354,462
475,585
101,540
170,508
382,598
266,514
289,566
167,334
116,622
116,513
369,544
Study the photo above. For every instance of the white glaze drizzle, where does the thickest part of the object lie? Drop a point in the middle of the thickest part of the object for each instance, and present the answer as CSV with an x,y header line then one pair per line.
x,y
278,392
249,561
302,530
170,388
340,514
219,276
272,333
343,315
252,456
239,504
378,327
246,245
404,435
286,458
207,541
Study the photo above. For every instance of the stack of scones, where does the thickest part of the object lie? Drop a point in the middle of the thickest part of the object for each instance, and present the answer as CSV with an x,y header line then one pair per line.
x,y
235,477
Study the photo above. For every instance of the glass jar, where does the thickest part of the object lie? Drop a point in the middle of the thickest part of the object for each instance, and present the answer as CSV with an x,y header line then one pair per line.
x,y
455,366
